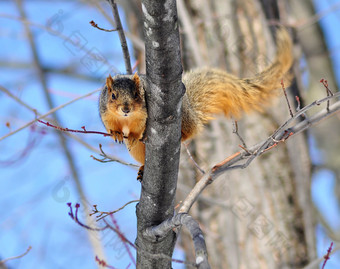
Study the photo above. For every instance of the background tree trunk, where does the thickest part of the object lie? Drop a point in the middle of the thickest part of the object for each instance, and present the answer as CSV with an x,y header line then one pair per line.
x,y
259,217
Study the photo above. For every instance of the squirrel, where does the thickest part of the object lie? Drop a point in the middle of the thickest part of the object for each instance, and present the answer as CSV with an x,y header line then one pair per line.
x,y
209,91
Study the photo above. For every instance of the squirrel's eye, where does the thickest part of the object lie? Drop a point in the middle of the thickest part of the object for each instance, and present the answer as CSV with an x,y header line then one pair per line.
x,y
113,96
136,95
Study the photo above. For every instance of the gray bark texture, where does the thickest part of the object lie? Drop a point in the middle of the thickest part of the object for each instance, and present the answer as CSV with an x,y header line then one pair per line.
x,y
164,92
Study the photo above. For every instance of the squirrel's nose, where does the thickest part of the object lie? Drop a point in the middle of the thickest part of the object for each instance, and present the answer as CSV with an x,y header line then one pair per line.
x,y
125,109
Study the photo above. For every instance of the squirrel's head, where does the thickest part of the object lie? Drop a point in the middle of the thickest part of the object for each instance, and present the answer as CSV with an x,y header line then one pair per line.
x,y
124,95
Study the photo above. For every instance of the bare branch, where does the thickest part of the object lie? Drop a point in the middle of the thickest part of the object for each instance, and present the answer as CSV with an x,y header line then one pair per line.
x,y
16,257
192,159
156,233
116,229
103,263
135,40
328,91
196,191
3,89
280,135
95,25
315,263
53,110
301,25
285,93
103,214
297,98
106,157
84,131
122,38
235,131
327,256
125,243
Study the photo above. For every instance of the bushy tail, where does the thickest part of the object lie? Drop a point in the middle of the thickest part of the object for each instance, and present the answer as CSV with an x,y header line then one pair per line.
x,y
212,91
270,78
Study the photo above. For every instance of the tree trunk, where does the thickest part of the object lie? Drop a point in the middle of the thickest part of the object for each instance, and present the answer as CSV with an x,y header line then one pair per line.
x,y
259,217
164,91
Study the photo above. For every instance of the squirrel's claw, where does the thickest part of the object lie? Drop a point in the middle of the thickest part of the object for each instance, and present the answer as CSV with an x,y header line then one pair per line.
x,y
117,136
140,173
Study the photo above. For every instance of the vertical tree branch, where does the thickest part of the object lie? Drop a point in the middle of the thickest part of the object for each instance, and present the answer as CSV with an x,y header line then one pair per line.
x,y
122,38
164,91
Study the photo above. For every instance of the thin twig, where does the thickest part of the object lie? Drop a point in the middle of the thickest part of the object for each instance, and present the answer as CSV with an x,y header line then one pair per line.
x,y
328,91
53,110
192,159
3,89
327,256
285,93
103,263
317,17
84,131
115,223
235,131
298,107
107,158
74,216
16,257
137,42
104,160
122,38
95,25
316,262
246,150
134,67
103,214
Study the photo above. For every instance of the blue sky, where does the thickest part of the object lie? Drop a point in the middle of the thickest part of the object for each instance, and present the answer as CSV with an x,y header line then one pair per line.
x,y
37,185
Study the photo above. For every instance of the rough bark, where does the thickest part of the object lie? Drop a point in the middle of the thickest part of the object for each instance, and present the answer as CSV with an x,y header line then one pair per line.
x,y
164,91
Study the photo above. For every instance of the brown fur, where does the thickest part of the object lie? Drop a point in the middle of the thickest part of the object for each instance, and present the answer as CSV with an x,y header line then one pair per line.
x,y
126,126
212,91
208,91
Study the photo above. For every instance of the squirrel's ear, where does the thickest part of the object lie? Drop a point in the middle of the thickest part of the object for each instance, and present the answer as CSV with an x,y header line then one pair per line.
x,y
136,79
109,82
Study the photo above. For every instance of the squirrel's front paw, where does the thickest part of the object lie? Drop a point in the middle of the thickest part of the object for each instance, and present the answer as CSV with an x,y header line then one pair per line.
x,y
117,136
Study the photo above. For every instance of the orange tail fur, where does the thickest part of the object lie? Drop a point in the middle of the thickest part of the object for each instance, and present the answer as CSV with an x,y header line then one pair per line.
x,y
213,91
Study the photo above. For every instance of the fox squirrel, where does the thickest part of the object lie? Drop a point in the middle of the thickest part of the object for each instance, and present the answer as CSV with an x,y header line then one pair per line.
x,y
208,91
